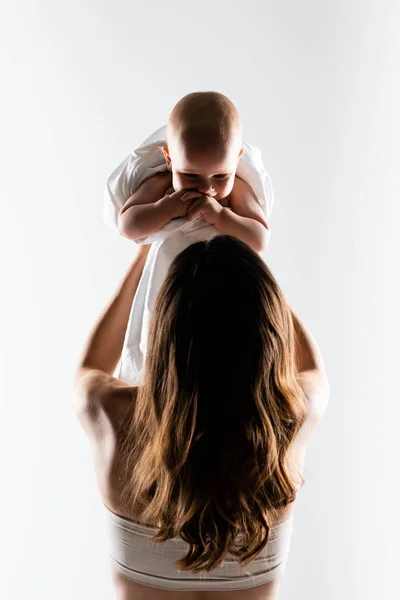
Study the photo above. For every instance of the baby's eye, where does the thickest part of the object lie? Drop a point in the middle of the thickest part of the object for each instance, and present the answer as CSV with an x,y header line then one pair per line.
x,y
190,175
221,176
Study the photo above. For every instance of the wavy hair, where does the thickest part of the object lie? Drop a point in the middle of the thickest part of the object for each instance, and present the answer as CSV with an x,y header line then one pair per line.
x,y
208,447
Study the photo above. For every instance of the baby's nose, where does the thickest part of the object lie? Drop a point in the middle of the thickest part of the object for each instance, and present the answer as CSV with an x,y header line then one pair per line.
x,y
206,188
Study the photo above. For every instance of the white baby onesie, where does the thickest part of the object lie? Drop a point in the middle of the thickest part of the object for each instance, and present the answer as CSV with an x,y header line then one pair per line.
x,y
144,162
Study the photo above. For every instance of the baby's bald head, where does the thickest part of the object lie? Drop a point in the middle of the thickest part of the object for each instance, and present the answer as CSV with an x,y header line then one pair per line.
x,y
204,141
205,121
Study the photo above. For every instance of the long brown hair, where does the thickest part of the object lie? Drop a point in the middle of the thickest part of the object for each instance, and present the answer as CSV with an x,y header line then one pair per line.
x,y
208,444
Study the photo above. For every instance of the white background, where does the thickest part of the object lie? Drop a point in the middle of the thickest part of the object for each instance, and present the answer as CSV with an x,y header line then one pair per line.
x,y
317,86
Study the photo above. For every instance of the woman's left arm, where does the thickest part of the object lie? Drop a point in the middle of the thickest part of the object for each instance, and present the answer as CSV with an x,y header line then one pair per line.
x,y
104,345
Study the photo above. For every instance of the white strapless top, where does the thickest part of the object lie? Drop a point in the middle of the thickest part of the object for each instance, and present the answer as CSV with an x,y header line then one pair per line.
x,y
136,557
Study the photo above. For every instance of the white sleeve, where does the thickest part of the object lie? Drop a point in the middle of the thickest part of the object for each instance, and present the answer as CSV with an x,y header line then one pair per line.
x,y
144,162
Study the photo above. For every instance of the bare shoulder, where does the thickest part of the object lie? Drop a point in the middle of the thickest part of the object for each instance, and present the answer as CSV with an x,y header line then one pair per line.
x,y
164,178
244,202
317,390
101,401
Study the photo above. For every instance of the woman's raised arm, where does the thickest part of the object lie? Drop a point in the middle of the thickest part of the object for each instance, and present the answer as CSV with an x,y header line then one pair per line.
x,y
104,345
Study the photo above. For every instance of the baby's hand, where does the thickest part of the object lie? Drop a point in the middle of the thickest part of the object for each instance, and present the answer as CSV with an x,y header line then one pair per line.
x,y
206,207
174,201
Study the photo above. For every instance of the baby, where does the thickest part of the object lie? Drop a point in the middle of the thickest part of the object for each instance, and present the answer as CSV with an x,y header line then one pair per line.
x,y
186,183
204,145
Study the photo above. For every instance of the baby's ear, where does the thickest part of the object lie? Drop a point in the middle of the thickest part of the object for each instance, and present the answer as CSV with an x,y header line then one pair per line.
x,y
164,150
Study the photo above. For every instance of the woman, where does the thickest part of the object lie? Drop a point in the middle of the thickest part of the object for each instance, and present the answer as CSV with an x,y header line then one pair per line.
x,y
208,452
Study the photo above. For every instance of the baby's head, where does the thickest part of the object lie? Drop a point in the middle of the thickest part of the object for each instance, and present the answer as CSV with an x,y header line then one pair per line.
x,y
204,143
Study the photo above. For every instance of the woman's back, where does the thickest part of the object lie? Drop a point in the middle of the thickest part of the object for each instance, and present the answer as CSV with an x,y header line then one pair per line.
x,y
109,474
212,445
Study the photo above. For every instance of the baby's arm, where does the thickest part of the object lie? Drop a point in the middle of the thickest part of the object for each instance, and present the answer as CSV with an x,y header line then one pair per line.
x,y
150,208
246,220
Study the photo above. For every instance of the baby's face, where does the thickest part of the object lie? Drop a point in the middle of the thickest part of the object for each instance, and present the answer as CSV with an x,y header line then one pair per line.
x,y
212,173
